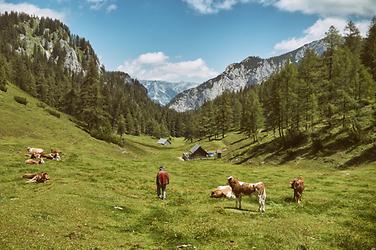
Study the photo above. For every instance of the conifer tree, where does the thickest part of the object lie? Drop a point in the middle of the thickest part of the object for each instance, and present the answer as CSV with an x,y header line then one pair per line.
x,y
252,116
353,39
369,49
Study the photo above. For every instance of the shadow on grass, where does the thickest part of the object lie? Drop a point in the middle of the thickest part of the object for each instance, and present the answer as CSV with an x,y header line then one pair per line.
x,y
366,156
237,209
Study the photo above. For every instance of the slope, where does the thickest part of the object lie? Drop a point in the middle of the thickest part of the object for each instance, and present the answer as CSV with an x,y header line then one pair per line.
x,y
101,196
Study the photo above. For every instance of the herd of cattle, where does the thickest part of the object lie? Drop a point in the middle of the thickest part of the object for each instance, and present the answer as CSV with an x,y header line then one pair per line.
x,y
236,189
36,156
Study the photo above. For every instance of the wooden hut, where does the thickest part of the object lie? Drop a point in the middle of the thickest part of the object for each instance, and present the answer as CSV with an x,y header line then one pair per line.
x,y
197,152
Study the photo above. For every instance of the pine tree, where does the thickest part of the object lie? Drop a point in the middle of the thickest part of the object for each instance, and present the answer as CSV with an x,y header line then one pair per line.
x,y
369,49
91,104
353,39
309,77
333,41
121,126
252,115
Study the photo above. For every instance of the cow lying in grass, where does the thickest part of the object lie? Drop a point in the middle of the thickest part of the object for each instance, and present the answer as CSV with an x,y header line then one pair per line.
x,y
36,177
223,192
162,180
34,150
52,156
298,185
242,188
34,161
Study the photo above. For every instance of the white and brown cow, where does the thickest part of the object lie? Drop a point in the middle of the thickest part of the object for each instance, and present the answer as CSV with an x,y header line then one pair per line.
x,y
298,185
223,192
36,177
242,188
34,150
34,161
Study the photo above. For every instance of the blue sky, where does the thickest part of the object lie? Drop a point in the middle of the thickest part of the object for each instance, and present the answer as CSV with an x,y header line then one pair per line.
x,y
194,40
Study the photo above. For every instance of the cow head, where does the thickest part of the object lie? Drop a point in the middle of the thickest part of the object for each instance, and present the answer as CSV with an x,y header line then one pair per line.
x,y
45,176
217,194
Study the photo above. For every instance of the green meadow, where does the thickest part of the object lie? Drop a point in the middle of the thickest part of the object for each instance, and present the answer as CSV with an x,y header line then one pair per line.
x,y
102,196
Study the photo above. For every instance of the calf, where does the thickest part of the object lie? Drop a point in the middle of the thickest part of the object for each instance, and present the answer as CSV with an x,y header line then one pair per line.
x,y
223,192
298,185
162,180
34,162
242,188
36,177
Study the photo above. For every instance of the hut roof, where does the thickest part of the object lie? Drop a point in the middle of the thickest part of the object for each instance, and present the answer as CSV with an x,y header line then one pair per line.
x,y
195,148
163,141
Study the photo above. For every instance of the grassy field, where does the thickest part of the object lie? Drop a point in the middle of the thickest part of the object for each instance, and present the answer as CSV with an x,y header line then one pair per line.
x,y
76,208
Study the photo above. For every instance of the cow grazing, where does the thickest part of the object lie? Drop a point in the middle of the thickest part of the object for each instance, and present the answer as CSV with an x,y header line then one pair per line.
x,y
162,180
36,177
298,185
34,161
223,192
242,188
34,150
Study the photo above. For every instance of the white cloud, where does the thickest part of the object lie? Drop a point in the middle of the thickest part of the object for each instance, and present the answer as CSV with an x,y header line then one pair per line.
x,y
317,31
156,66
213,6
31,10
111,7
108,5
364,8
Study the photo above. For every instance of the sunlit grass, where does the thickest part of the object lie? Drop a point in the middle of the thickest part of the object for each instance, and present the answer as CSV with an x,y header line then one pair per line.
x,y
76,208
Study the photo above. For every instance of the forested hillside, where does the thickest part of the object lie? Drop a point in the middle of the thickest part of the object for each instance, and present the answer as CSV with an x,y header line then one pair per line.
x,y
43,58
305,103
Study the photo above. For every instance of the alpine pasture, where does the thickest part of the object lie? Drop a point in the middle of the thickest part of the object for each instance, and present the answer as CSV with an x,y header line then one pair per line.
x,y
102,196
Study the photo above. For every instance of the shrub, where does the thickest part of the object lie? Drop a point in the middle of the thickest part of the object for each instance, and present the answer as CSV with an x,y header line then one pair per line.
x,y
3,88
21,100
53,112
41,105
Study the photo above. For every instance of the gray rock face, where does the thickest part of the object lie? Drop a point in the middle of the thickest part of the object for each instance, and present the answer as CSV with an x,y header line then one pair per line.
x,y
71,60
252,70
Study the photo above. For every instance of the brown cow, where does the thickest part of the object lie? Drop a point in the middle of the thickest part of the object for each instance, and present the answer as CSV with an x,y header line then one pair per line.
x,y
34,162
162,180
298,185
242,188
36,177
223,192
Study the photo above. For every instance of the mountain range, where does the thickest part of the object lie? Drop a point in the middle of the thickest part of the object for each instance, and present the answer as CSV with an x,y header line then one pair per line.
x,y
162,92
252,70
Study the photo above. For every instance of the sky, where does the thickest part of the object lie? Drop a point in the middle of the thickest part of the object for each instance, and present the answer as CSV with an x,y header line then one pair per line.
x,y
195,40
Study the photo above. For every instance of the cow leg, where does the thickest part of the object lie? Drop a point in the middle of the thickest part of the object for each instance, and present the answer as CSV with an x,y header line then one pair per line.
x,y
163,192
262,199
159,191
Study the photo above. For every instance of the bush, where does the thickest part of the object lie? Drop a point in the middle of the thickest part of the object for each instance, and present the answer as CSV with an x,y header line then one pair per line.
x,y
3,88
41,105
53,112
21,100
